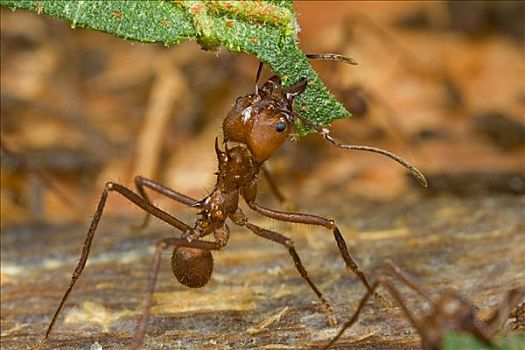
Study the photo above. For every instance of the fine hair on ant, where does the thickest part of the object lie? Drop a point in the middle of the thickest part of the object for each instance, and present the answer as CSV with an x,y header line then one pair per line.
x,y
450,312
253,131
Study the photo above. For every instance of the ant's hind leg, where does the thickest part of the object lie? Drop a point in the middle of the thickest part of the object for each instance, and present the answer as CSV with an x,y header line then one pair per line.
x,y
162,245
141,182
137,200
285,241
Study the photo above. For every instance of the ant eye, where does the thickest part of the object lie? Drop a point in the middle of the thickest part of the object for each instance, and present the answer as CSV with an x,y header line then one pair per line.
x,y
280,126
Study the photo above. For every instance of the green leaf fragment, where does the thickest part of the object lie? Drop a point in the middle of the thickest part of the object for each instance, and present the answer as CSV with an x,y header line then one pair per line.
x,y
145,21
266,29
465,341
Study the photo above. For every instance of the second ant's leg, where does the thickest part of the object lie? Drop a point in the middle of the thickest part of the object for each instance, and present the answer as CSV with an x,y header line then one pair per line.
x,y
141,182
397,297
403,277
512,299
354,317
138,337
136,199
309,219
278,238
479,329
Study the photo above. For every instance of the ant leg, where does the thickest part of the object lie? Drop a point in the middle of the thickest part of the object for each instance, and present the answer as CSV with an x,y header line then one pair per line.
x,y
512,298
138,337
274,188
309,219
403,277
137,200
479,330
354,317
397,297
141,182
285,241
399,300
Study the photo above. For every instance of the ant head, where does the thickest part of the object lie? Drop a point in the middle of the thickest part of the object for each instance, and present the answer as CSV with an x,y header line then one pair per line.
x,y
264,119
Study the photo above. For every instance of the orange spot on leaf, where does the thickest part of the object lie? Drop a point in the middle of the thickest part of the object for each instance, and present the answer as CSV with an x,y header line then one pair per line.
x,y
196,9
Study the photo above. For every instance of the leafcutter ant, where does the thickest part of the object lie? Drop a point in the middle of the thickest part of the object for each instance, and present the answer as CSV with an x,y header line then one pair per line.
x,y
450,312
253,131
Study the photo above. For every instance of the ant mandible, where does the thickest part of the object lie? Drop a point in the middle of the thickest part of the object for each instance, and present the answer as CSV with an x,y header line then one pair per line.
x,y
451,312
259,123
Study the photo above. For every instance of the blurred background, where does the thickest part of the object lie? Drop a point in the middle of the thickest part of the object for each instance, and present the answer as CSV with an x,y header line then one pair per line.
x,y
440,83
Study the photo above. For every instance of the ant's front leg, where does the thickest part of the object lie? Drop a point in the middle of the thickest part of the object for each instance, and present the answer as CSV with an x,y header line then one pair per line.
x,y
309,219
137,200
285,202
141,182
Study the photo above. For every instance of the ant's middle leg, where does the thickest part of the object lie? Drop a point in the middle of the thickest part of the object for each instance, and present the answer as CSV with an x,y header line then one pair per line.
x,y
309,219
137,200
141,182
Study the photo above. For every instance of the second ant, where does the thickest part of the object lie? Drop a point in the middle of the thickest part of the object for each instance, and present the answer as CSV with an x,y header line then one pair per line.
x,y
450,312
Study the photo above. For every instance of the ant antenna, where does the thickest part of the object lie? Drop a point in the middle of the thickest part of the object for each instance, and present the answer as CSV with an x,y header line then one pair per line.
x,y
312,56
325,132
332,57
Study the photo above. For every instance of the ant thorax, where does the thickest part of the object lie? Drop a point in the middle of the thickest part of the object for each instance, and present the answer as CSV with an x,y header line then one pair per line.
x,y
236,176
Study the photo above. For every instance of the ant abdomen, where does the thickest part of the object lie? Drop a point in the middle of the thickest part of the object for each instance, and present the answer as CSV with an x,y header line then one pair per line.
x,y
192,266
